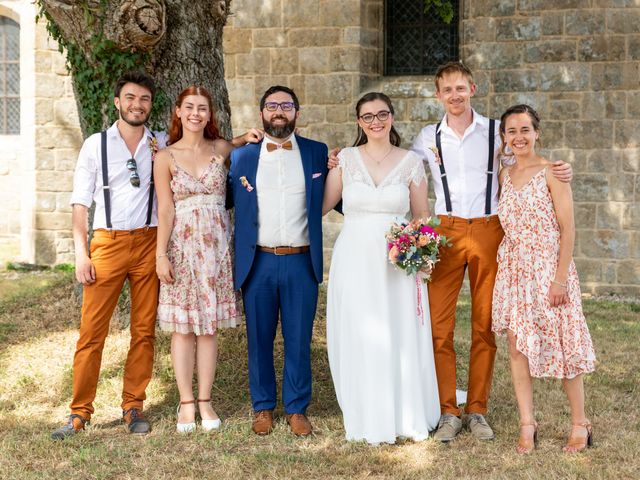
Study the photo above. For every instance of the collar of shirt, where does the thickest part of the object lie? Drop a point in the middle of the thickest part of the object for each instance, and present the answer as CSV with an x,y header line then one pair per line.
x,y
113,131
478,122
291,138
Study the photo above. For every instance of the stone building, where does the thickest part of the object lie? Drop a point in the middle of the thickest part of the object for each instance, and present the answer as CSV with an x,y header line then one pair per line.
x,y
576,61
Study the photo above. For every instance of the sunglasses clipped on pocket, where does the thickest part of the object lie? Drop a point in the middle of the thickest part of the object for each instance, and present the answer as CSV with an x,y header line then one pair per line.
x,y
134,178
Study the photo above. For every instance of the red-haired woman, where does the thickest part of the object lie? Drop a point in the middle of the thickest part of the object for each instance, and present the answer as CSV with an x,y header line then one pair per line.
x,y
193,258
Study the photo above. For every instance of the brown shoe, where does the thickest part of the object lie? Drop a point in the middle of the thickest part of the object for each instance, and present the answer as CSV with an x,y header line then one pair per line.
x,y
300,424
135,421
262,422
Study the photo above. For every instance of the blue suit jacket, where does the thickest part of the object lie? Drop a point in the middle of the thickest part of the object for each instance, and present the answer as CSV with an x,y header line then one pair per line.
x,y
244,163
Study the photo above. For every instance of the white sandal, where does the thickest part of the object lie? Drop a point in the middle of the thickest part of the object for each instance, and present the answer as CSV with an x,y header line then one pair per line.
x,y
209,425
185,427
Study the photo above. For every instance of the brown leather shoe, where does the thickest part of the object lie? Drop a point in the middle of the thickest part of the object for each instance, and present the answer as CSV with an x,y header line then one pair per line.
x,y
262,422
300,424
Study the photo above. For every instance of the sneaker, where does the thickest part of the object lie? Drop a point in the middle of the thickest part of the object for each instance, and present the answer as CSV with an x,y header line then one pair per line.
x,y
135,421
448,427
75,423
479,427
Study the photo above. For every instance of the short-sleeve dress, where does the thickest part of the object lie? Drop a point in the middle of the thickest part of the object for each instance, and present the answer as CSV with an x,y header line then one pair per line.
x,y
555,340
202,297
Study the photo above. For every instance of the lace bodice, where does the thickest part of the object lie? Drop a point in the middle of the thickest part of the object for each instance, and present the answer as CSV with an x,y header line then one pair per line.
x,y
361,196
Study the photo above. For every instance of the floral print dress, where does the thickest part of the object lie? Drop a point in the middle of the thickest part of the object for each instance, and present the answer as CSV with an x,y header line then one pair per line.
x,y
202,297
555,340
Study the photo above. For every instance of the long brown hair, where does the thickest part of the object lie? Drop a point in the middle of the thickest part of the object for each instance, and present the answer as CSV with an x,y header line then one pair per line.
x,y
513,110
361,139
211,130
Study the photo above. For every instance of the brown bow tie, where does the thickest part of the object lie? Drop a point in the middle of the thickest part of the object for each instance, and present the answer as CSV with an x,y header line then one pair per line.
x,y
274,146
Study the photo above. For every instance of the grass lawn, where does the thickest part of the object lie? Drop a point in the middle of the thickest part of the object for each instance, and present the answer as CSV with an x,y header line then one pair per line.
x,y
39,315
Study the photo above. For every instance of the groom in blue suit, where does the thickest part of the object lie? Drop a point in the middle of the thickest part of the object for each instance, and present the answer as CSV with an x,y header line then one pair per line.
x,y
277,187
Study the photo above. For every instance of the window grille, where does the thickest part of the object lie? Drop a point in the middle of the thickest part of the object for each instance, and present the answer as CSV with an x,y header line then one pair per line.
x,y
9,77
417,42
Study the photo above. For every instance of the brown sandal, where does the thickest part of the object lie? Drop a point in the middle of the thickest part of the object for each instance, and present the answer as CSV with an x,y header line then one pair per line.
x,y
526,447
579,444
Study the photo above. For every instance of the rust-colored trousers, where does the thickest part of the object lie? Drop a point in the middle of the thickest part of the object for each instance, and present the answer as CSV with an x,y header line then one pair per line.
x,y
475,245
117,255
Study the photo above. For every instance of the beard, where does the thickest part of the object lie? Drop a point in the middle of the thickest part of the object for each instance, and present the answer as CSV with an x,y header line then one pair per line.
x,y
133,121
281,130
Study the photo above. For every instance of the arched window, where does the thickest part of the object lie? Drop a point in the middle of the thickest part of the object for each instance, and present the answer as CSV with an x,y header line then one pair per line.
x,y
416,42
9,77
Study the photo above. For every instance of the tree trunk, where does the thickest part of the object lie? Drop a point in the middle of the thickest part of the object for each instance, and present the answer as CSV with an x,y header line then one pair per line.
x,y
183,39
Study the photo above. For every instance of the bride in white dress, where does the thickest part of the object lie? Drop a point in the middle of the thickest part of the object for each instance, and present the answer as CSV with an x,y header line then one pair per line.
x,y
380,349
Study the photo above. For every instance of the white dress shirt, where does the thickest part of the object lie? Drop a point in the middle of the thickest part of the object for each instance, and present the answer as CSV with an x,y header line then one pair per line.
x,y
465,162
282,199
128,203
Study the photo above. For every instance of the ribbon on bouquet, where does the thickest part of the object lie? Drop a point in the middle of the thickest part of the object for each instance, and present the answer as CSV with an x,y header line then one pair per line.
x,y
419,312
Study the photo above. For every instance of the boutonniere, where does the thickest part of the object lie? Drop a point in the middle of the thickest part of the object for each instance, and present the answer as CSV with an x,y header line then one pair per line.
x,y
153,145
245,183
434,149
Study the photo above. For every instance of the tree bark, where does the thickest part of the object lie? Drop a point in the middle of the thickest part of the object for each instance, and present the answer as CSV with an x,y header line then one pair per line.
x,y
184,39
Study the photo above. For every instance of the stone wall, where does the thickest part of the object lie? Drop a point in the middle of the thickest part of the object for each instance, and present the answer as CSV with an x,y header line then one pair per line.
x,y
576,62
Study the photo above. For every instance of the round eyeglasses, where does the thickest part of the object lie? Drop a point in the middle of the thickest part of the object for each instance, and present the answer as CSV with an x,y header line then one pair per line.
x,y
382,116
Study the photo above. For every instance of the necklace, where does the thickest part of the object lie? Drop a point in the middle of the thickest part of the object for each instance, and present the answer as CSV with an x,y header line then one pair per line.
x,y
382,159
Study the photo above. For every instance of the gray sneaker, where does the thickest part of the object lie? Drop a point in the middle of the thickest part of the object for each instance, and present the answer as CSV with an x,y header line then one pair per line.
x,y
479,427
448,427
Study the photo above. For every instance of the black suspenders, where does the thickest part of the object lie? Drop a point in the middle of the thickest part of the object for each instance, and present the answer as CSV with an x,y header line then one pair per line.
x,y
106,188
443,173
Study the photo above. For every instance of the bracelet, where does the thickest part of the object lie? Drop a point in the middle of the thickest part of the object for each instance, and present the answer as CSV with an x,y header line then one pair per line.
x,y
563,285
161,255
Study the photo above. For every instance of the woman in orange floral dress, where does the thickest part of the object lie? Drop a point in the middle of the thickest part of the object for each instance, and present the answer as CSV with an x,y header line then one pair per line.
x,y
536,299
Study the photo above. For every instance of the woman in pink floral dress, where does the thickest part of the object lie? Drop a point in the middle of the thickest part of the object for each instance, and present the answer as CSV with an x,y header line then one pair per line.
x,y
194,256
536,299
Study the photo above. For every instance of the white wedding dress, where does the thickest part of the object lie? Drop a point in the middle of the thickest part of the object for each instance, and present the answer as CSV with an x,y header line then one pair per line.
x,y
380,349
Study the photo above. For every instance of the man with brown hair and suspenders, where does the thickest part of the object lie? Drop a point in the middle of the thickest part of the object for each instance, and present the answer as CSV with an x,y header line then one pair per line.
x,y
114,169
462,152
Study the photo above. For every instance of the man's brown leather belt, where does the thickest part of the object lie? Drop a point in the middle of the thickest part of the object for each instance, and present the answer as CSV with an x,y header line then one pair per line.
x,y
284,250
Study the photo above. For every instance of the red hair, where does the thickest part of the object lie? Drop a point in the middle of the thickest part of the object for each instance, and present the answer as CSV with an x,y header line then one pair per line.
x,y
211,130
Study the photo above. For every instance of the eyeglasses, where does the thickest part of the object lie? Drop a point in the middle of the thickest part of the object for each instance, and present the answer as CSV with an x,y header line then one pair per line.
x,y
134,178
382,115
284,106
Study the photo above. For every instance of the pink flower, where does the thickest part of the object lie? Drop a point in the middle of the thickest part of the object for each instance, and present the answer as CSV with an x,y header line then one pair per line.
x,y
427,229
393,254
404,238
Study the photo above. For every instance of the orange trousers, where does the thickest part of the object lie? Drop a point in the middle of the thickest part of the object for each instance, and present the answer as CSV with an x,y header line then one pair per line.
x,y
116,256
475,245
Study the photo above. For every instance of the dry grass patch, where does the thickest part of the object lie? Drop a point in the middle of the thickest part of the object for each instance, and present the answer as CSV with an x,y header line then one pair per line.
x,y
35,389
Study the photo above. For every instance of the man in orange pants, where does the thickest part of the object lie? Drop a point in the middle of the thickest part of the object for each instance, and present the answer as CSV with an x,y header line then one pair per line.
x,y
114,169
463,155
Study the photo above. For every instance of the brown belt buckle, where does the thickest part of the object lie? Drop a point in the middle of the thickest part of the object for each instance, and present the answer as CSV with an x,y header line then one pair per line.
x,y
275,251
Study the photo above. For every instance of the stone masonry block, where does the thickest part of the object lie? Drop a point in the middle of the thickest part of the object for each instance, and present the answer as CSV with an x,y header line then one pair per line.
x,y
269,37
241,91
300,13
345,59
584,22
314,60
627,133
62,202
564,77
517,28
629,272
257,13
58,137
66,112
551,51
314,37
52,221
229,66
298,83
329,89
262,82
59,64
623,20
593,104
48,85
609,216
44,61
339,114
615,76
45,247
284,61
527,5
236,40
590,187
498,103
552,23
567,109
311,115
634,47
537,100
605,244
633,104
492,8
65,159
631,217
601,49
254,63
553,134
590,133
339,13
45,159
603,161
585,215
490,56
479,30
631,160
426,111
44,111
621,187
589,270
53,181
515,80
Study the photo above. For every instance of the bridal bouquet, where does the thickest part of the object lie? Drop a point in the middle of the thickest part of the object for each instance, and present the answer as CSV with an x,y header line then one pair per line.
x,y
415,246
